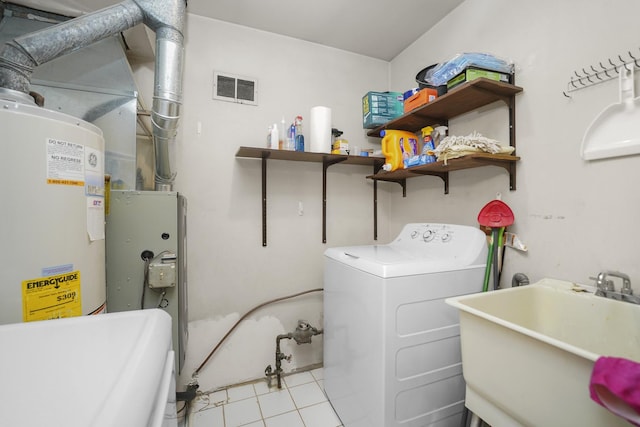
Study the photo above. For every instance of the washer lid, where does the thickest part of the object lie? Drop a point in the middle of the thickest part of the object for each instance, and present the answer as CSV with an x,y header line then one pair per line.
x,y
418,249
389,261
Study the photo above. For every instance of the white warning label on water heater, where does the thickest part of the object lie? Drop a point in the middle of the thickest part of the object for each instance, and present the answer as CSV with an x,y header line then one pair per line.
x,y
65,162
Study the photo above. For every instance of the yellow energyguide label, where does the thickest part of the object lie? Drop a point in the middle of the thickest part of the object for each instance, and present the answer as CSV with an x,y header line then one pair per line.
x,y
51,297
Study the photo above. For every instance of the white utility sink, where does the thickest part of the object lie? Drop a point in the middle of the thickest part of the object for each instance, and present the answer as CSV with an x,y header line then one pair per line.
x,y
528,352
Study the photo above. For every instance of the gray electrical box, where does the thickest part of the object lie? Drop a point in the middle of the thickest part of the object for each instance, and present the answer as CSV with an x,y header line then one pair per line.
x,y
146,257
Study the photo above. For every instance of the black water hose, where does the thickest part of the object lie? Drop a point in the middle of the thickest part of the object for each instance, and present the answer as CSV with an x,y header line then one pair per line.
x,y
245,316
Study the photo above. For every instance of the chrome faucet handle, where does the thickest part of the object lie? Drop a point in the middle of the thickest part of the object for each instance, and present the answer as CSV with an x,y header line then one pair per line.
x,y
626,282
626,287
601,280
607,285
605,288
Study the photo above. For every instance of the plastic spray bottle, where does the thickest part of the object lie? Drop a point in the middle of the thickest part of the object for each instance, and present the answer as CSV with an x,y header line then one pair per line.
x,y
438,134
299,136
428,146
291,138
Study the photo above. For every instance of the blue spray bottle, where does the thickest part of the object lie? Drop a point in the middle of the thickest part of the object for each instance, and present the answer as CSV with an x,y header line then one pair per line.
x,y
291,138
299,145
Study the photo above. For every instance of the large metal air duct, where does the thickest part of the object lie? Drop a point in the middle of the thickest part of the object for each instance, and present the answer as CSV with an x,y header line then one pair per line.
x,y
20,56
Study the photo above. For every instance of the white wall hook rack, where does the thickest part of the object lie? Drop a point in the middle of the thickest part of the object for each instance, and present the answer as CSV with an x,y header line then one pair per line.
x,y
600,73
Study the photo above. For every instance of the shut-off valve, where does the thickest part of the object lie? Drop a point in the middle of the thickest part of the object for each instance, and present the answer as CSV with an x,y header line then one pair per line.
x,y
302,335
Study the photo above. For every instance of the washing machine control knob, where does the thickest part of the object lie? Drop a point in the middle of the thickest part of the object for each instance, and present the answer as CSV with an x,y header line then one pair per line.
x,y
428,235
414,234
446,237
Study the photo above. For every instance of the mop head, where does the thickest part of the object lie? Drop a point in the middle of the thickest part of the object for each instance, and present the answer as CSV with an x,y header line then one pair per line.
x,y
452,147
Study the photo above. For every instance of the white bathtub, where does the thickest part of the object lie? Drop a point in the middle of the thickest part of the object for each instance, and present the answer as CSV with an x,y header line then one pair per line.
x,y
528,352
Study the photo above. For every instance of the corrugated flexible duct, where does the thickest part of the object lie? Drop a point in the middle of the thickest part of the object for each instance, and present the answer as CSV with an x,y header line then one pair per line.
x,y
20,56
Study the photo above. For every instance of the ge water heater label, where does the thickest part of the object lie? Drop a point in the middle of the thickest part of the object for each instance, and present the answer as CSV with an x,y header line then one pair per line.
x,y
65,162
51,297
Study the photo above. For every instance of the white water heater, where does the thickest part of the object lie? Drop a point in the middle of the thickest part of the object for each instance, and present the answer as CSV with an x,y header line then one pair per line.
x,y
52,215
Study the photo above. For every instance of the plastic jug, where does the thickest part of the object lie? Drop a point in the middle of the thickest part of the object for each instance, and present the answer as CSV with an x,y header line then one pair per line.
x,y
397,145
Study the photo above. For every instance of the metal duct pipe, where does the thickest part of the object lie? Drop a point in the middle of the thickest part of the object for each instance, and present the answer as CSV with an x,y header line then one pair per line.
x,y
167,20
167,100
20,56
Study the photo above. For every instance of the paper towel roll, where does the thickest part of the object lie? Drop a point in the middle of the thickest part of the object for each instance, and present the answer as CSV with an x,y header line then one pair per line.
x,y
320,130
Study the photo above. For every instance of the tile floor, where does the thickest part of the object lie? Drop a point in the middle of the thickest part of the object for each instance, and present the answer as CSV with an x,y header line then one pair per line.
x,y
300,403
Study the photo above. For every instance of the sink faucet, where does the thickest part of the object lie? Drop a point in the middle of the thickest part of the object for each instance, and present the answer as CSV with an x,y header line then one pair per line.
x,y
605,288
602,284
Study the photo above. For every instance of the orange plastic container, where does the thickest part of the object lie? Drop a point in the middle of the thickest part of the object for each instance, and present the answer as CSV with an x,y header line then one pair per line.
x,y
418,99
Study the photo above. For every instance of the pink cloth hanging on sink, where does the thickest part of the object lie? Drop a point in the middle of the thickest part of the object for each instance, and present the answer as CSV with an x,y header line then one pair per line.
x,y
615,384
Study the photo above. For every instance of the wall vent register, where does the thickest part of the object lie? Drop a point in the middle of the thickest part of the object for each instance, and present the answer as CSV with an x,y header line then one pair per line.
x,y
233,88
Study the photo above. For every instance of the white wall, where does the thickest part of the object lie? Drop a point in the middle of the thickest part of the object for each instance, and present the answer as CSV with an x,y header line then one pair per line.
x,y
576,217
229,270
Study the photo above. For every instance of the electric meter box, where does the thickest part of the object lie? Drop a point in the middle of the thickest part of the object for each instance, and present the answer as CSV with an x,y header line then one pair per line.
x,y
162,275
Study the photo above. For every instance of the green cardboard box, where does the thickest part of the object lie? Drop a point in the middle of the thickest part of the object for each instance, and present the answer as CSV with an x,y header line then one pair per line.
x,y
471,73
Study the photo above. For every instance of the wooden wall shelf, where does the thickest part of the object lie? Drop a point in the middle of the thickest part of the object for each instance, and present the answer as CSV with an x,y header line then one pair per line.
x,y
463,99
327,160
441,170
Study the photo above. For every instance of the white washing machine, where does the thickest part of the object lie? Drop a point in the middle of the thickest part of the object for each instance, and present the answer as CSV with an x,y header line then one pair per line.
x,y
391,344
